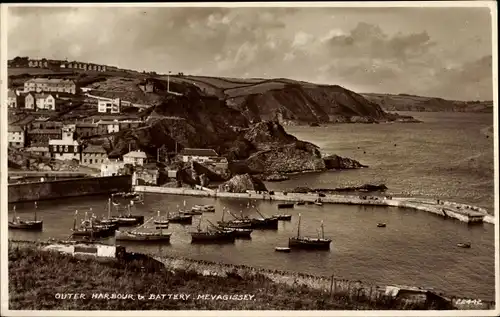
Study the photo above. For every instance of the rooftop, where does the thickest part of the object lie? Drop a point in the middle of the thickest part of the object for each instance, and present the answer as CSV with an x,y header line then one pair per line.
x,y
45,131
94,149
86,125
38,149
198,152
12,94
15,128
136,154
50,81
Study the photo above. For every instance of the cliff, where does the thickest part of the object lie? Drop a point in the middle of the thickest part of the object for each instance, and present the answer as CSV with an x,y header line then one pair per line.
x,y
405,102
242,183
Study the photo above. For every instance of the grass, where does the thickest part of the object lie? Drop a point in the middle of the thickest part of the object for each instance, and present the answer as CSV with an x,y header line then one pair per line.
x,y
35,276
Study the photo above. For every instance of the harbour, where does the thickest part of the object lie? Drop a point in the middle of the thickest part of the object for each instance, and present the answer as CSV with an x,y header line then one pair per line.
x,y
359,248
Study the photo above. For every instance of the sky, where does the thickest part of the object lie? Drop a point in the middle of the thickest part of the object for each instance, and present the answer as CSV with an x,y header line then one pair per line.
x,y
441,52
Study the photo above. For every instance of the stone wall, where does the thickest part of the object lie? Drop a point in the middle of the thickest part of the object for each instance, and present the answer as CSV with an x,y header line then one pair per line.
x,y
69,188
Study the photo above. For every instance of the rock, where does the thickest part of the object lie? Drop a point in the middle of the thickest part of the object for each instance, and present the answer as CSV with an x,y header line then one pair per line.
x,y
242,183
338,162
276,178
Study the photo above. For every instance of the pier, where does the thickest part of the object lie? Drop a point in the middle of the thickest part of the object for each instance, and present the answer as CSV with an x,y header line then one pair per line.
x,y
463,212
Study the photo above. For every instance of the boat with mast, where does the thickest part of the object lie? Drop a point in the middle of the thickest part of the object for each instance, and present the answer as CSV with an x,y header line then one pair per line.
x,y
244,233
264,222
320,243
87,228
283,217
135,235
190,212
161,223
17,223
129,219
180,218
236,223
109,220
213,234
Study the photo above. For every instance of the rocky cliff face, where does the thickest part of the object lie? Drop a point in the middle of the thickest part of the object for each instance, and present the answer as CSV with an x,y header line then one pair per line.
x,y
296,103
405,102
242,183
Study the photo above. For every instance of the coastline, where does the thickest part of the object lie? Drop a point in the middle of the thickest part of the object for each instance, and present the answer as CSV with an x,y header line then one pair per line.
x,y
461,212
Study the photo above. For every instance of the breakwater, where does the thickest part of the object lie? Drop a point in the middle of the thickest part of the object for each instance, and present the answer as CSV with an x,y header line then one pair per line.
x,y
462,212
55,189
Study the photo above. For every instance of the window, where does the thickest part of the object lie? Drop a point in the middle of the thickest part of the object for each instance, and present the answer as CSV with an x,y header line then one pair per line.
x,y
54,148
65,148
90,161
75,149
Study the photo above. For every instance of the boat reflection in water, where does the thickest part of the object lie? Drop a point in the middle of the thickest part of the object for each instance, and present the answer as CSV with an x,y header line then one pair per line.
x,y
310,243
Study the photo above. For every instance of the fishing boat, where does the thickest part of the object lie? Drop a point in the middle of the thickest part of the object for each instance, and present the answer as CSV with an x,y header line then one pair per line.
x,y
285,205
243,233
88,229
283,217
161,221
283,249
464,245
381,225
299,242
264,222
129,219
181,218
213,235
136,235
236,223
191,212
33,225
125,194
203,208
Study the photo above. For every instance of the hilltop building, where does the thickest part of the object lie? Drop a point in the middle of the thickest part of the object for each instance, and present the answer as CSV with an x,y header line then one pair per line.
x,y
50,85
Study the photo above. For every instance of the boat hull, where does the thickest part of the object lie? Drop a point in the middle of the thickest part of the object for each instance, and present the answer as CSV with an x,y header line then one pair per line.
x,y
235,224
283,206
239,232
127,236
205,237
309,244
129,220
283,217
26,225
268,223
181,219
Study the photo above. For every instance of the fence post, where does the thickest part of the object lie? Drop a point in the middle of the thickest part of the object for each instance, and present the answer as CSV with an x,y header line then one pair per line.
x,y
331,285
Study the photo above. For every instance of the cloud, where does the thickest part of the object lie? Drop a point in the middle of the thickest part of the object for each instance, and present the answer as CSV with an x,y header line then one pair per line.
x,y
380,50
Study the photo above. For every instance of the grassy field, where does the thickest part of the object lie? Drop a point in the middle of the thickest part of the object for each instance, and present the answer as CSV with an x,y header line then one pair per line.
x,y
36,276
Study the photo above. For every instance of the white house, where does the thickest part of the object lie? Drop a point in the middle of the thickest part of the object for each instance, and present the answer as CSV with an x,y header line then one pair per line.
x,y
135,158
29,101
94,156
111,168
12,99
50,84
65,148
106,105
198,155
15,136
45,102
111,126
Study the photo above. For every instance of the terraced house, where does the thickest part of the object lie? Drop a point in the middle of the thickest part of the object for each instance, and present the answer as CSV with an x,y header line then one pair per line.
x,y
94,155
50,85
15,136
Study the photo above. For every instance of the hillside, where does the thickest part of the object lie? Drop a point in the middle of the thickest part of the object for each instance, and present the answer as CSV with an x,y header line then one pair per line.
x,y
404,102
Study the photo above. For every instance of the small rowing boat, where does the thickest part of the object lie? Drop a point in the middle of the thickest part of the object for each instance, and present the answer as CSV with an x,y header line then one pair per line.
x,y
464,245
282,249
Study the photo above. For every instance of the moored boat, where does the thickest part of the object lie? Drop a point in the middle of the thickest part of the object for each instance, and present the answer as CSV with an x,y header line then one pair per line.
x,y
464,245
181,218
285,205
160,221
283,216
32,225
203,208
129,219
282,249
381,225
142,236
300,202
215,235
239,232
264,222
299,242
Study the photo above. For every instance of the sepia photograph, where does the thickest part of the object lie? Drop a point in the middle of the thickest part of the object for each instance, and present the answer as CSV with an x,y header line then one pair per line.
x,y
324,158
